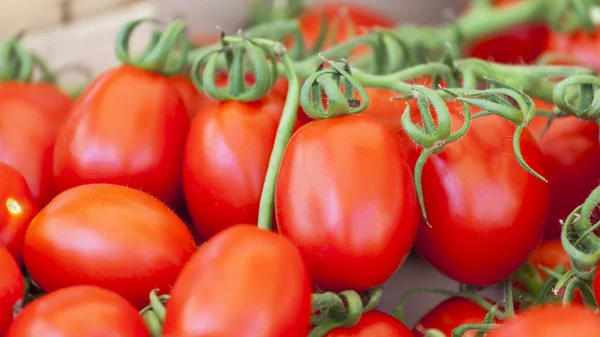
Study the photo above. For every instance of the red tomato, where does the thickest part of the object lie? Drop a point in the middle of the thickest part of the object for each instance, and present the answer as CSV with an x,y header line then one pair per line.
x,y
79,311
374,324
11,288
18,208
30,115
242,282
191,97
109,236
549,254
345,196
229,142
127,128
572,156
450,314
486,212
581,45
550,321
517,45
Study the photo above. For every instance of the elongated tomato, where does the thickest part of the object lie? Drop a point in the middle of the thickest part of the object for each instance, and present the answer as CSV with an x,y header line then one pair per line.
x,y
244,281
109,236
345,196
11,288
449,314
374,324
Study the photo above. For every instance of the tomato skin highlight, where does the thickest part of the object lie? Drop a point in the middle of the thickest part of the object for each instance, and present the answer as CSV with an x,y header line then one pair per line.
x,y
373,324
11,288
109,236
550,321
486,212
233,285
79,311
345,196
449,314
30,116
572,156
128,128
17,209
226,158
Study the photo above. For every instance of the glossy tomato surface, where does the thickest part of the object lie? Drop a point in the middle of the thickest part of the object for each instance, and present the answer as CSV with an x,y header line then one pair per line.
x,y
345,196
191,97
17,209
572,154
551,321
580,45
449,314
226,159
486,213
11,288
79,311
374,324
517,45
127,128
109,236
244,281
30,116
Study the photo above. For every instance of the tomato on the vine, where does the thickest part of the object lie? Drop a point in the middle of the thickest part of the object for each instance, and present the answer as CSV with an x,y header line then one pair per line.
x,y
243,281
550,321
486,212
11,288
79,311
582,46
229,142
345,196
30,115
449,314
191,97
373,324
572,156
127,128
17,209
516,45
109,236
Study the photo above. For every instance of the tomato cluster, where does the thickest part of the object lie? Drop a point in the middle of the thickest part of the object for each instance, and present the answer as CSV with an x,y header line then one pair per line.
x,y
132,210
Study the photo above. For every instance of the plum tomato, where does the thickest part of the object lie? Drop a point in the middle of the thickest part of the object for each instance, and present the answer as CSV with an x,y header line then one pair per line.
x,y
11,288
373,324
449,314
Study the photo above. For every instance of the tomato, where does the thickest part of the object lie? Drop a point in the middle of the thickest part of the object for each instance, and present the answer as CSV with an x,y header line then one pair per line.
x,y
374,324
191,97
30,115
18,208
549,254
109,236
79,311
550,321
244,281
11,288
581,45
231,142
345,196
450,314
127,128
516,45
572,156
486,213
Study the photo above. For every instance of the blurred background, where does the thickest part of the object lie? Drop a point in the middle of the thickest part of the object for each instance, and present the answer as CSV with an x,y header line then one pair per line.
x,y
83,31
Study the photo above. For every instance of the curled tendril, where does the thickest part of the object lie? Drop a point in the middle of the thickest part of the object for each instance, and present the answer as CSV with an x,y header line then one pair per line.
x,y
579,240
571,15
331,81
584,90
158,55
154,313
341,310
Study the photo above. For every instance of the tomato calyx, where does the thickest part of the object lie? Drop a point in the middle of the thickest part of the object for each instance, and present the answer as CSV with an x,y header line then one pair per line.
x,y
344,309
154,313
18,64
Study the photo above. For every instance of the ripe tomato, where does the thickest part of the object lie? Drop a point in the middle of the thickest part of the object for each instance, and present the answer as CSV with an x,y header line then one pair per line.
x,y
244,281
478,198
30,115
79,311
18,208
127,128
109,236
191,97
550,321
374,324
572,156
581,45
345,196
231,141
517,45
549,254
11,288
449,314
